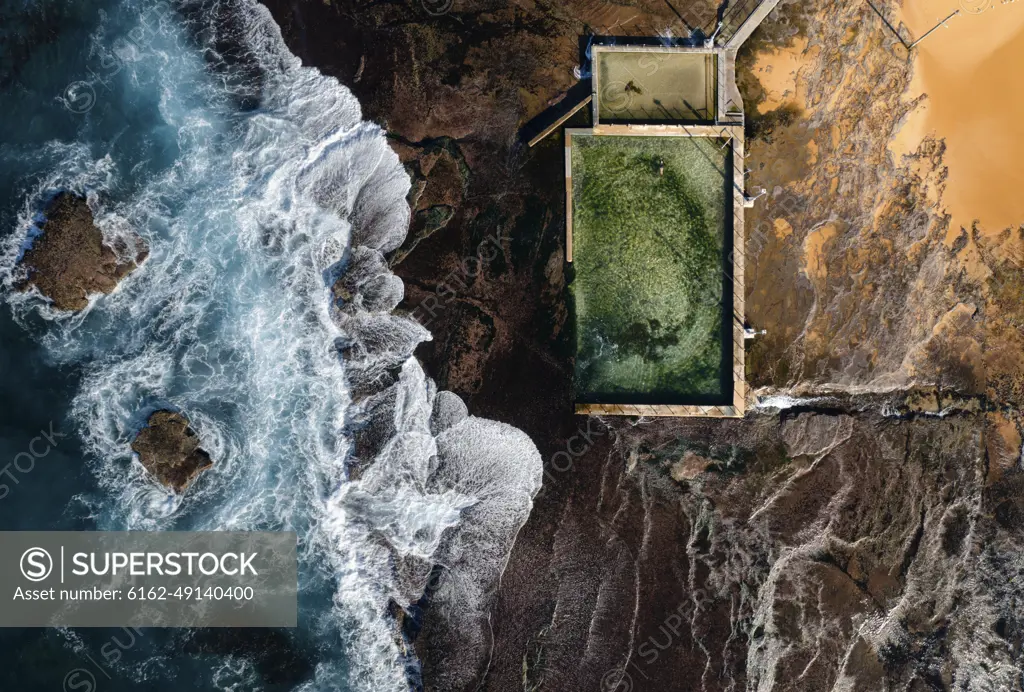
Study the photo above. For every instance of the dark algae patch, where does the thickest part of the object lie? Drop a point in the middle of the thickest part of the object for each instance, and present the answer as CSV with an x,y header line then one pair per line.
x,y
649,230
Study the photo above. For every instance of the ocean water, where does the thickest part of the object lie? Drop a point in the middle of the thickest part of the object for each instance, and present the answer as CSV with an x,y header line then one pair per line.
x,y
257,185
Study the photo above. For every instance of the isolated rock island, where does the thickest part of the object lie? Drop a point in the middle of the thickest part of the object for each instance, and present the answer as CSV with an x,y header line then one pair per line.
x,y
70,261
169,449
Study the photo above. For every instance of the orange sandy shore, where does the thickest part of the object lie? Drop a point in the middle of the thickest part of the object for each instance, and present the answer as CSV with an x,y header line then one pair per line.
x,y
970,71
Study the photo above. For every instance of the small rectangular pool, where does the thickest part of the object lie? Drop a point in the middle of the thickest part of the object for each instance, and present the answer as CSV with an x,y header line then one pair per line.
x,y
651,224
658,85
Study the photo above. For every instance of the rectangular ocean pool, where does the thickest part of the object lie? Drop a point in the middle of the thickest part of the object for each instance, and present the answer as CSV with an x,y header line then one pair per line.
x,y
652,291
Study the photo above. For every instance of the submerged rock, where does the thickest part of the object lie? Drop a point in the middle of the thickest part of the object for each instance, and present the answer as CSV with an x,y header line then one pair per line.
x,y
70,261
169,449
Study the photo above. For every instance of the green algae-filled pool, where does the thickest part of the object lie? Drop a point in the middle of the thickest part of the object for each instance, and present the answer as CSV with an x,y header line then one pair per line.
x,y
652,233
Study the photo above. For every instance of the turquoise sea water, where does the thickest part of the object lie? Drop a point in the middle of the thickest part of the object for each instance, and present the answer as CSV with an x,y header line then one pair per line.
x,y
256,184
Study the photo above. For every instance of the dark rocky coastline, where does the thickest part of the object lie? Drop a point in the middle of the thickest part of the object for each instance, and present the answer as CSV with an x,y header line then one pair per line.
x,y
70,260
855,538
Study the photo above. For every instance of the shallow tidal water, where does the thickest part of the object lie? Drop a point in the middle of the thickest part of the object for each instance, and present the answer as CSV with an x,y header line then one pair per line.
x,y
968,69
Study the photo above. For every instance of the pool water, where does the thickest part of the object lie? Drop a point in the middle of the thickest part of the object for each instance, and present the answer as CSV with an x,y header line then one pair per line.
x,y
651,235
656,86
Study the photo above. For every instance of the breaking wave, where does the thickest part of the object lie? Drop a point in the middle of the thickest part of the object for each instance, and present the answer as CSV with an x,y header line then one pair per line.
x,y
258,187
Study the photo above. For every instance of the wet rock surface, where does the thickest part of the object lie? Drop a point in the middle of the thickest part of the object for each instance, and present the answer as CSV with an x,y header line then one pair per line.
x,y
867,538
815,549
169,449
853,267
70,261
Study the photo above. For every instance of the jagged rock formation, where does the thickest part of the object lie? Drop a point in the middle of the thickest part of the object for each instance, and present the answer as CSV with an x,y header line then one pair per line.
x,y
69,261
169,449
836,550
858,543
852,265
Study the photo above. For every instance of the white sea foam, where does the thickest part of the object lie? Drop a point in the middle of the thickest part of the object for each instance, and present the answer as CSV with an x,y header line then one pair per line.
x,y
231,321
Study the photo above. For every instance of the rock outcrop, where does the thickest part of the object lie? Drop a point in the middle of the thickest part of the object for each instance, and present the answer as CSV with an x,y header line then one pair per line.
x,y
169,449
833,546
854,267
69,261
